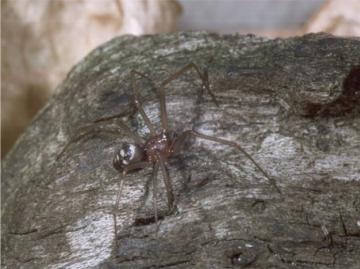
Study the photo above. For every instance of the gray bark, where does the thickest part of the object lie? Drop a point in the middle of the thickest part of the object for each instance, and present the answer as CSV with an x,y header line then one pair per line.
x,y
293,104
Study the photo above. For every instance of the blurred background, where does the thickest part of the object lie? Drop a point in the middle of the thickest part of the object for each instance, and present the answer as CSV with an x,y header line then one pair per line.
x,y
42,39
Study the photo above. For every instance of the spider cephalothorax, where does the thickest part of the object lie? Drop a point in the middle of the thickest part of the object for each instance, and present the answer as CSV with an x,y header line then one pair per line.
x,y
160,144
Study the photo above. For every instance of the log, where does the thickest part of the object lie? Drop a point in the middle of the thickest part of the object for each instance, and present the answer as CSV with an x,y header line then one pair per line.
x,y
292,104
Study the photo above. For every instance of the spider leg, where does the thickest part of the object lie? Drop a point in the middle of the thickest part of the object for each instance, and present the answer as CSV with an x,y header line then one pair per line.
x,y
122,127
117,128
204,78
181,139
146,77
167,182
154,184
138,104
121,182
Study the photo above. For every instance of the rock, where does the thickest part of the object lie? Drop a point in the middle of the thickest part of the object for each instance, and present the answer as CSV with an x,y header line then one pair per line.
x,y
292,104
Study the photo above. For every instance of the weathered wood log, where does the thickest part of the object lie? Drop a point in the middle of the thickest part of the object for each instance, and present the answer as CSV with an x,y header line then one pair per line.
x,y
293,104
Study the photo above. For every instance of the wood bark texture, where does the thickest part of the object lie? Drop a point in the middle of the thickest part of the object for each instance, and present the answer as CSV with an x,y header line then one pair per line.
x,y
293,104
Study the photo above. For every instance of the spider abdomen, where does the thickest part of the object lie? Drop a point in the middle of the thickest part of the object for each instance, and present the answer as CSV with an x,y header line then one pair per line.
x,y
126,155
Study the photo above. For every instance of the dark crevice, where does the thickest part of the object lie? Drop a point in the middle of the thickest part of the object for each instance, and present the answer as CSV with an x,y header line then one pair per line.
x,y
174,263
27,260
348,100
146,221
24,232
57,230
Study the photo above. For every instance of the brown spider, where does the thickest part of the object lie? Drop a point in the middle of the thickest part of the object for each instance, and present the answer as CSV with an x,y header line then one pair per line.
x,y
163,144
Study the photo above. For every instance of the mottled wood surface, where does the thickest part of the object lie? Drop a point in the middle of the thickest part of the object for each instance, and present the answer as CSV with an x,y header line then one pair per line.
x,y
293,104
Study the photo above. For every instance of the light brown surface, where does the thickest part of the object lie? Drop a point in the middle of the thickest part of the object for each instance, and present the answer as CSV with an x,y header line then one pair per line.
x,y
337,17
42,40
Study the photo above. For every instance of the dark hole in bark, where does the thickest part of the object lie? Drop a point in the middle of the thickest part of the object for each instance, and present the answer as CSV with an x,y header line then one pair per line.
x,y
351,84
146,221
236,259
346,102
242,259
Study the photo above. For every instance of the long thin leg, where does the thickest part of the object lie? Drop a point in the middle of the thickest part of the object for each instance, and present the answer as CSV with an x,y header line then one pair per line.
x,y
182,138
146,77
138,104
122,128
154,184
204,78
120,123
121,183
119,128
167,182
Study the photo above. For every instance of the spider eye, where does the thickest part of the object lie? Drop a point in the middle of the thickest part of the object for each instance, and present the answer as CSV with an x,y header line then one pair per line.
x,y
127,154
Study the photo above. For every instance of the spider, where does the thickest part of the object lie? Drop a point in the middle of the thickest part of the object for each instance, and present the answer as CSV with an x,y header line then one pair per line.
x,y
164,143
